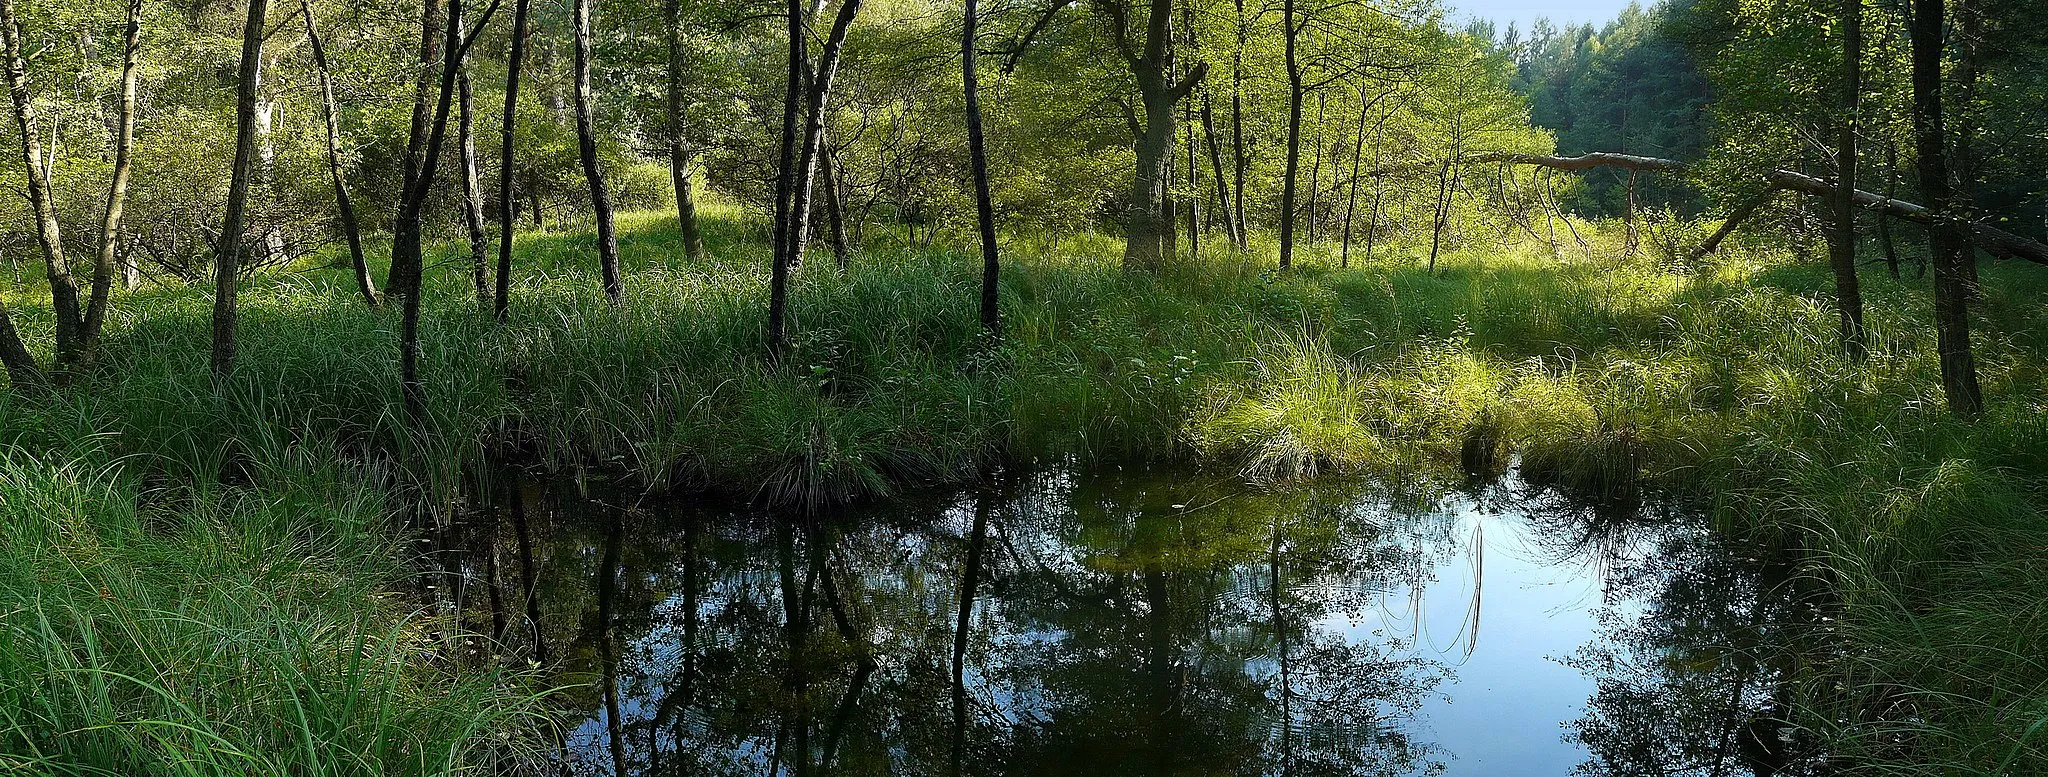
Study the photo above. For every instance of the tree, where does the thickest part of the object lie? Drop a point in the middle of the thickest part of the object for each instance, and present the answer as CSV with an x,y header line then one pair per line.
x,y
586,143
1150,63
1842,239
472,190
679,152
336,170
228,254
1951,256
514,59
984,206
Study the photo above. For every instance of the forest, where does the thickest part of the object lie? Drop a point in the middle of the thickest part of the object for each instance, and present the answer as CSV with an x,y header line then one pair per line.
x,y
649,387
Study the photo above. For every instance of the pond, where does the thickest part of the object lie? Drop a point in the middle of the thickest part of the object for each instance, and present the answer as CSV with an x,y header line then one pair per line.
x,y
1140,622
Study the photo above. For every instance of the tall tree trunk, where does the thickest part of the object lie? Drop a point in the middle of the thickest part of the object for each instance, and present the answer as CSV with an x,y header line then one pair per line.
x,y
104,266
1951,256
406,249
1151,65
1842,238
985,220
1440,210
423,94
1239,161
1294,95
678,145
1357,157
1223,209
227,255
472,191
336,173
63,288
586,143
1884,221
815,115
508,133
785,180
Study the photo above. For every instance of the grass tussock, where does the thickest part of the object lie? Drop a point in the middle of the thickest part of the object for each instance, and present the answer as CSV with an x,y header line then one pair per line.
x,y
174,634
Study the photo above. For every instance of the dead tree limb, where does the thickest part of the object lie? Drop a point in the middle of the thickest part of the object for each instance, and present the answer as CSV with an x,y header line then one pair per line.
x,y
1999,242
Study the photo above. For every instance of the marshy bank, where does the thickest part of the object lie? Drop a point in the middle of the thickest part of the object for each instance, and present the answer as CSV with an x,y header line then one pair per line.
x,y
1602,377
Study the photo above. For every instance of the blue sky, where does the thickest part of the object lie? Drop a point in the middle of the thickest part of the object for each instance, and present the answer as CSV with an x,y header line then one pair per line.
x,y
1522,12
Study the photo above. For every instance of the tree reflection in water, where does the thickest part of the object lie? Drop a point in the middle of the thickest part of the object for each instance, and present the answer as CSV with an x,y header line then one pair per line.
x,y
1119,623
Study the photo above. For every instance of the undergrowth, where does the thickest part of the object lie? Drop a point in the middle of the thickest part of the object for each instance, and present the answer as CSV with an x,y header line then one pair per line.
x,y
1719,383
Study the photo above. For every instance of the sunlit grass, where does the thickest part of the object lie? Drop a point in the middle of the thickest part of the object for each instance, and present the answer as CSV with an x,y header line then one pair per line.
x,y
1718,384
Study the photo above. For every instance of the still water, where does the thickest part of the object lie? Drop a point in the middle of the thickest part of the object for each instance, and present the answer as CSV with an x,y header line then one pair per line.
x,y
1150,623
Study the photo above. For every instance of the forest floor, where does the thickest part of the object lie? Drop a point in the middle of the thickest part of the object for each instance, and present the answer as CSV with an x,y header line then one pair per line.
x,y
157,531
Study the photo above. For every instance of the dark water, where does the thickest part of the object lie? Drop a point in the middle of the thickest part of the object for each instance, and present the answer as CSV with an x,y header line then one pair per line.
x,y
1145,623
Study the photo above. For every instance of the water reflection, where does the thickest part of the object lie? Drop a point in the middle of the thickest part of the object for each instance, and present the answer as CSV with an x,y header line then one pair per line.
x,y
1144,623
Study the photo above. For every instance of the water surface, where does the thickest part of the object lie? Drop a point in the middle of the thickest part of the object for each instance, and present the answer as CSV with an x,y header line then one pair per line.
x,y
1141,623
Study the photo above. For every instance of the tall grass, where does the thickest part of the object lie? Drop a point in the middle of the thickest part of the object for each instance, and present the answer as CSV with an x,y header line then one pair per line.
x,y
1719,383
168,632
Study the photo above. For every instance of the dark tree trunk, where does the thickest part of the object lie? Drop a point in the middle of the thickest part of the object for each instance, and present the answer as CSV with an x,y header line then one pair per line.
x,y
1293,170
815,115
1884,221
1951,256
985,221
1223,209
679,152
1842,238
586,143
227,256
502,299
1357,157
472,192
401,278
1239,161
345,207
785,180
406,257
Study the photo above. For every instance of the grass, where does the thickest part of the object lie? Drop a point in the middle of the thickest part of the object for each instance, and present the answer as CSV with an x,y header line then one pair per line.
x,y
1609,376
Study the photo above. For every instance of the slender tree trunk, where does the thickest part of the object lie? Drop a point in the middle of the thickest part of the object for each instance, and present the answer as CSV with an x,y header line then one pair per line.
x,y
1951,256
1239,161
1315,173
104,266
678,145
815,115
423,92
1357,156
22,372
227,255
985,221
502,299
63,288
406,230
586,143
1842,238
1884,221
402,277
472,191
1223,209
336,172
1440,210
785,180
835,203
1294,95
